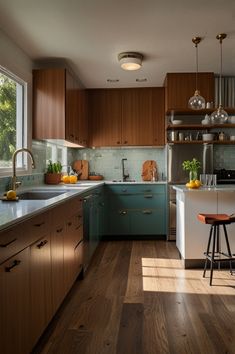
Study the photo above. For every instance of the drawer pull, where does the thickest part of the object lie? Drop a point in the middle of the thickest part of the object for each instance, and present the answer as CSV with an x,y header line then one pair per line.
x,y
59,230
79,216
147,212
147,191
42,243
122,212
3,245
39,224
148,196
69,223
124,190
15,263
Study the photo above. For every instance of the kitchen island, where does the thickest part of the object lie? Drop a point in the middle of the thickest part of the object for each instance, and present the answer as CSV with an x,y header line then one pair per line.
x,y
192,235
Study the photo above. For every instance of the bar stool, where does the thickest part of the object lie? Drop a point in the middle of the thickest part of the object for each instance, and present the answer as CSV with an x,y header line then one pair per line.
x,y
214,256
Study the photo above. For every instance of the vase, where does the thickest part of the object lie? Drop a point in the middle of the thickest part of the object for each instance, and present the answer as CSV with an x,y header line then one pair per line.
x,y
193,176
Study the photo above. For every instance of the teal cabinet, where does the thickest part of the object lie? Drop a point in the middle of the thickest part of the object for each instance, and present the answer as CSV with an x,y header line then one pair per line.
x,y
138,209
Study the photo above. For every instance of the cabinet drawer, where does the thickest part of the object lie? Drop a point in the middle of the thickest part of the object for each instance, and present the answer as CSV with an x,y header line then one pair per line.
x,y
14,239
135,189
137,201
148,222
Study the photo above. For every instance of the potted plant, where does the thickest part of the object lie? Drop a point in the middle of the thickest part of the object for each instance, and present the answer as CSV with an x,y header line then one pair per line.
x,y
53,174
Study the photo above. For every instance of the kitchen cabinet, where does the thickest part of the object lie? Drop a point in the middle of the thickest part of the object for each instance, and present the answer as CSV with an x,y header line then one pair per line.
x,y
58,106
40,287
15,304
179,87
105,109
93,208
40,258
126,117
135,210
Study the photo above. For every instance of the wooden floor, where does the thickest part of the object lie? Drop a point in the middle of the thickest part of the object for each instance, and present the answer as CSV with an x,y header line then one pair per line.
x,y
137,299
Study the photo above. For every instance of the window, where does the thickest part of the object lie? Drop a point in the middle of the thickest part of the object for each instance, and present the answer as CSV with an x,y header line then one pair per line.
x,y
12,121
55,153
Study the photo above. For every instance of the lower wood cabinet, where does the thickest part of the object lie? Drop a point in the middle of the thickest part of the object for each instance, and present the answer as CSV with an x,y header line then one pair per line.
x,y
15,304
36,276
41,310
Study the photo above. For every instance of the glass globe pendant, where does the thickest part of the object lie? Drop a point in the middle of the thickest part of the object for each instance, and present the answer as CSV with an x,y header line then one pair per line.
x,y
220,116
196,101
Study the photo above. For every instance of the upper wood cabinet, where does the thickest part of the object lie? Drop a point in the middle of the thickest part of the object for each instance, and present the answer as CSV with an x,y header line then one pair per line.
x,y
181,86
57,102
105,112
131,117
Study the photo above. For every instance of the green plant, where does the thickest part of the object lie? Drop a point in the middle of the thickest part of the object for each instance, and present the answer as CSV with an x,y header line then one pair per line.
x,y
54,167
193,165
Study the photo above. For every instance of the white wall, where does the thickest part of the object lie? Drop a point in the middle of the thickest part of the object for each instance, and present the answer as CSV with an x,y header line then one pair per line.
x,y
16,61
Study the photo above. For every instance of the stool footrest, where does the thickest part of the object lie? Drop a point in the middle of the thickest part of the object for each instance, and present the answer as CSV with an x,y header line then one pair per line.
x,y
217,254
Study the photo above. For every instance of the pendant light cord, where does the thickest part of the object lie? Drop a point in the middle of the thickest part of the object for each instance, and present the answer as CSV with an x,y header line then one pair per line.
x,y
220,76
196,64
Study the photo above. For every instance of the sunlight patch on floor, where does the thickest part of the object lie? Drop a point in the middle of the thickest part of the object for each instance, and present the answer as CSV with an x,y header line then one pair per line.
x,y
167,275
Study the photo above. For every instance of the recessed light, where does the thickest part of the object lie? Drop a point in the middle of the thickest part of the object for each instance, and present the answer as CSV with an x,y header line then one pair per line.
x,y
113,80
141,80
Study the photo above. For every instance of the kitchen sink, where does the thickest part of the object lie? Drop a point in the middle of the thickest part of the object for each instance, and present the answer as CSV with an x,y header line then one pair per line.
x,y
39,195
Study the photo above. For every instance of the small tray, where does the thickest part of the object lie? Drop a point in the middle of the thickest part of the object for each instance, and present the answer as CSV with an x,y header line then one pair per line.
x,y
4,199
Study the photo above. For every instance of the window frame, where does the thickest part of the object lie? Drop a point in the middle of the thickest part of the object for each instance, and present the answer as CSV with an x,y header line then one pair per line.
x,y
22,138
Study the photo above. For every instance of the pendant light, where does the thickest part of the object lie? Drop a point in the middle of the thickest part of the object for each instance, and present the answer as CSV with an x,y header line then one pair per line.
x,y
220,116
196,101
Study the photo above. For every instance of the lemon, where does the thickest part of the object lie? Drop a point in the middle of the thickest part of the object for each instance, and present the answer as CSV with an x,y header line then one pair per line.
x,y
66,179
11,194
198,183
73,179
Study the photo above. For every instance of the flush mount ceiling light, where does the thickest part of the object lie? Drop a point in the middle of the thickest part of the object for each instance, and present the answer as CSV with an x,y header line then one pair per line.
x,y
220,116
196,101
130,60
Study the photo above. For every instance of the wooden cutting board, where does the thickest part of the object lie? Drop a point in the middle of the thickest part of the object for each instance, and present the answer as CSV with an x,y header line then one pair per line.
x,y
83,167
147,170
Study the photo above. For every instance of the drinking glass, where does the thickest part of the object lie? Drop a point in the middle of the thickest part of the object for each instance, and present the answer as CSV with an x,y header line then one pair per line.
x,y
209,179
203,179
214,180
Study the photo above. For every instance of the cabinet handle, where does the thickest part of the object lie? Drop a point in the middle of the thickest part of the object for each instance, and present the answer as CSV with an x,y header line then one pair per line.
x,y
42,243
122,212
118,142
71,135
15,263
148,196
69,223
147,191
39,224
147,212
125,142
59,230
8,243
85,199
124,190
79,216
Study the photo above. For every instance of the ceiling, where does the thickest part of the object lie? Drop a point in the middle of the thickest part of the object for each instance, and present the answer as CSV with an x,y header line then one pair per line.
x,y
89,34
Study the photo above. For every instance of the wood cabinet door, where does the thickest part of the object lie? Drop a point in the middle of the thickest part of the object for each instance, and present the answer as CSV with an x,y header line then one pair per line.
x,y
105,117
158,116
57,265
40,287
49,104
14,304
71,121
83,117
181,86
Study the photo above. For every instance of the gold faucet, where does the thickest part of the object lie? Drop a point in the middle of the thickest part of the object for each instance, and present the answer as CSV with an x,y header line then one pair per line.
x,y
15,183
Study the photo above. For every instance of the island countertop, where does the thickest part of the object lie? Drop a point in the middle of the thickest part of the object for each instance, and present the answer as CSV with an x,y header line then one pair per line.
x,y
218,188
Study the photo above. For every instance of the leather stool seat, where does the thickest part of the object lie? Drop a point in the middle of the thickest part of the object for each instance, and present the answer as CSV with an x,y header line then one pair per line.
x,y
214,255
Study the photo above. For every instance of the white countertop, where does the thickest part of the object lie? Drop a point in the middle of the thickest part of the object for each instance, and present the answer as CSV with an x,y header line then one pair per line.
x,y
219,188
12,212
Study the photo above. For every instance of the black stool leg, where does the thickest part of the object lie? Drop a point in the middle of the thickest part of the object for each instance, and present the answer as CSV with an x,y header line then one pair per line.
x,y
228,248
213,254
218,243
207,251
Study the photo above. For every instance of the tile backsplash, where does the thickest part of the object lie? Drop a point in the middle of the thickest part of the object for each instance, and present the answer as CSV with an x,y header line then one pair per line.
x,y
107,161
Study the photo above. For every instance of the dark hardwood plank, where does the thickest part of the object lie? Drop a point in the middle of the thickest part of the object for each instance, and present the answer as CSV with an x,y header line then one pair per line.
x,y
137,298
